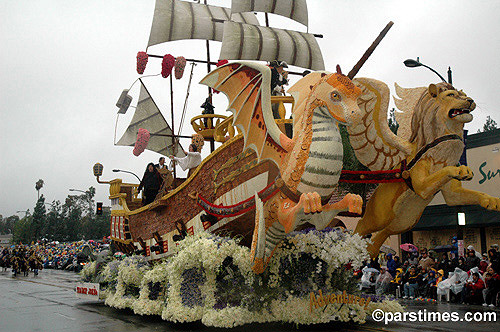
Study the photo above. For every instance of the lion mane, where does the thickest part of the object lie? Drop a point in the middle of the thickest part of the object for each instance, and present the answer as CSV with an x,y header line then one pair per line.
x,y
426,126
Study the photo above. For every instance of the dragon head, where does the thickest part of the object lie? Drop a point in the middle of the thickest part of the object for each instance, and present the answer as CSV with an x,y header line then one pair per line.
x,y
339,95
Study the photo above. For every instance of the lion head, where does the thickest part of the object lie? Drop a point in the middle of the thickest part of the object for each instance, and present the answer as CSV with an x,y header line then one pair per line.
x,y
441,110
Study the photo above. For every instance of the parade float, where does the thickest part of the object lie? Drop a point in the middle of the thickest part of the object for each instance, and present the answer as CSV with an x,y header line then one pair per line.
x,y
250,235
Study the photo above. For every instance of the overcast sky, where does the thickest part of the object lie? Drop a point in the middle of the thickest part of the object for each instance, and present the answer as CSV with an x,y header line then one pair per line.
x,y
64,64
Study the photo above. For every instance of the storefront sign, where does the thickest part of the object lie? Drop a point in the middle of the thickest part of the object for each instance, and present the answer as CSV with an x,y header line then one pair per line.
x,y
484,162
87,290
461,248
488,173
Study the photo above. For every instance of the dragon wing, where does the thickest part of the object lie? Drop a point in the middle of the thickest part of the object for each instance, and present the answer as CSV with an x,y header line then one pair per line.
x,y
375,145
248,88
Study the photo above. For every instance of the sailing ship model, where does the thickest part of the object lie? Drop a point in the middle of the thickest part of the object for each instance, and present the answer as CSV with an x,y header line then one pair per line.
x,y
219,196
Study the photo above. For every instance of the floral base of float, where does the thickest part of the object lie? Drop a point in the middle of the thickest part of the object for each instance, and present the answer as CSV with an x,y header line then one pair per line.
x,y
211,280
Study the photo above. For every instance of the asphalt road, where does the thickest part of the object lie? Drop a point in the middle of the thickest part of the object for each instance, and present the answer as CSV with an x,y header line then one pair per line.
x,y
48,303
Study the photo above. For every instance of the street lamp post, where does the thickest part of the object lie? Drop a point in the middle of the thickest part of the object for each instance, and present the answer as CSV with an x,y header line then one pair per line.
x,y
82,191
410,63
129,172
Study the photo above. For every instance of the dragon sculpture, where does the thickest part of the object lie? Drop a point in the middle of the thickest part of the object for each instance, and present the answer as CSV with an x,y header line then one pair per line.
x,y
427,148
309,164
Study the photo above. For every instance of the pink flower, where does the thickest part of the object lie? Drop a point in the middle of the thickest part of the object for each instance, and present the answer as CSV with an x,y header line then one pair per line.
x,y
167,64
142,60
142,141
180,64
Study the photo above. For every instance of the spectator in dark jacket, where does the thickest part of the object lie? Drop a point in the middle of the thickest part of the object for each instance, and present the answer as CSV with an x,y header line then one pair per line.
x,y
492,287
391,265
430,284
410,282
397,261
374,263
494,258
472,260
444,264
461,264
453,262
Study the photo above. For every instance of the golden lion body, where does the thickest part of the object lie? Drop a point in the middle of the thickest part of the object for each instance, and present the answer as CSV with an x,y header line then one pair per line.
x,y
394,208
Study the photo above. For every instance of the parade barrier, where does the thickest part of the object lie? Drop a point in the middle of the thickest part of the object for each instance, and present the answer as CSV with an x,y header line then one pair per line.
x,y
87,290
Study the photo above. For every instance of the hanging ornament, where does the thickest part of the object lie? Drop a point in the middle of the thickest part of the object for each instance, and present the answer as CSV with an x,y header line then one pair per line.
x,y
180,64
142,61
167,64
142,141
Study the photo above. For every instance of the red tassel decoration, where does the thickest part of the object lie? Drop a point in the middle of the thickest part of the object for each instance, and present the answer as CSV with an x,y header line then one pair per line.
x,y
142,61
167,64
142,141
180,64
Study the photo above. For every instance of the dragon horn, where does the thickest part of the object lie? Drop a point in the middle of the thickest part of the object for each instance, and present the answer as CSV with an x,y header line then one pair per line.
x,y
369,51
339,71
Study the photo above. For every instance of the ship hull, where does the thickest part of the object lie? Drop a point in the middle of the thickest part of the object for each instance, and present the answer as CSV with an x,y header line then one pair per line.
x,y
226,177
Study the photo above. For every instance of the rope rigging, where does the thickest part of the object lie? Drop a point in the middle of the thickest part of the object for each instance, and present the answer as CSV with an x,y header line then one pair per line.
x,y
186,100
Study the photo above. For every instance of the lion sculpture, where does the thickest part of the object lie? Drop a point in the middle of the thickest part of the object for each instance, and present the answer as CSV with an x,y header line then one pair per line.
x,y
427,148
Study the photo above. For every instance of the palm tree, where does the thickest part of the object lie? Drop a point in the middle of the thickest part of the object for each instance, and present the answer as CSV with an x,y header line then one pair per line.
x,y
38,186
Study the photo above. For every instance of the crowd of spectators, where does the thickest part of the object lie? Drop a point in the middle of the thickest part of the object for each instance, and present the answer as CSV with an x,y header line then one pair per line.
x,y
48,255
427,275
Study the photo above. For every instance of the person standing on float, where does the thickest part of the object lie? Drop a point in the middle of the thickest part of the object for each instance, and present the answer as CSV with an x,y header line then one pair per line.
x,y
190,161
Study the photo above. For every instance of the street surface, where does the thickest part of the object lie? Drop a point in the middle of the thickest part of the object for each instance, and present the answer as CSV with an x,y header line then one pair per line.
x,y
48,303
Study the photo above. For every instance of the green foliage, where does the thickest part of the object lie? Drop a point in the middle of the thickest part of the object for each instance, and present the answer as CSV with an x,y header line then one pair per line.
x,y
38,219
74,220
393,124
7,224
490,124
22,230
351,162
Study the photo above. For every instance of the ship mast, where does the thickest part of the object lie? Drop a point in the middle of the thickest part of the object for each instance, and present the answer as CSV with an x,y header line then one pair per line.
x,y
209,69
181,20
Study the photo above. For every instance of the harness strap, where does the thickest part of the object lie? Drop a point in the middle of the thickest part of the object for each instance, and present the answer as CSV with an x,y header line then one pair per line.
x,y
429,146
393,175
406,167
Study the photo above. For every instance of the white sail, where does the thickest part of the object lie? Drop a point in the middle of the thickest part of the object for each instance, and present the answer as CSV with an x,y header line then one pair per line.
x,y
294,9
176,20
250,42
148,116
